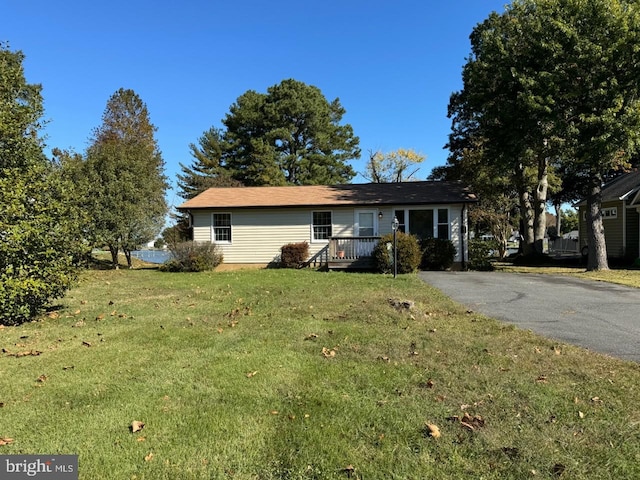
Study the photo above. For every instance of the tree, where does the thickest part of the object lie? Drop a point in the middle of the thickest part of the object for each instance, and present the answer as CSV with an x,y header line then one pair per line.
x,y
290,135
128,206
392,166
552,86
208,168
39,248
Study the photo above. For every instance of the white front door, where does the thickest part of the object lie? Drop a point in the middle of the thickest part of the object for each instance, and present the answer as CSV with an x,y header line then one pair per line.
x,y
365,223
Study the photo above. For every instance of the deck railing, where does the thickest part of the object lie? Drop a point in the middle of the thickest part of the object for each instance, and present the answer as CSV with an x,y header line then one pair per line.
x,y
351,248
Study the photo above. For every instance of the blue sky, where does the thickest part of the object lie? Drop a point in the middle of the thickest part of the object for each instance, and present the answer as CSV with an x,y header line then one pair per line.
x,y
393,64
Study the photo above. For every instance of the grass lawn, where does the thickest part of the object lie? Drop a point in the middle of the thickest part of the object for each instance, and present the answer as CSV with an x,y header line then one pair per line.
x,y
621,276
298,374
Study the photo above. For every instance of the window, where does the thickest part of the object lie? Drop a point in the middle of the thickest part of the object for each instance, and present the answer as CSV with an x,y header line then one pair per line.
x,y
421,223
221,228
401,225
321,228
443,223
425,223
609,213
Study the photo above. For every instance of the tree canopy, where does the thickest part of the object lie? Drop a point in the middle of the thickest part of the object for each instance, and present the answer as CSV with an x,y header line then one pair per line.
x,y
290,135
550,91
394,166
125,166
39,245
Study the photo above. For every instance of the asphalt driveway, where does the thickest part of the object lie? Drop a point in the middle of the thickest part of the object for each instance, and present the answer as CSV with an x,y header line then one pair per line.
x,y
600,316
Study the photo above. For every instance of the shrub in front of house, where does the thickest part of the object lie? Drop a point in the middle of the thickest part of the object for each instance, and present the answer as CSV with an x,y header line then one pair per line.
x,y
293,255
481,253
193,257
437,254
409,253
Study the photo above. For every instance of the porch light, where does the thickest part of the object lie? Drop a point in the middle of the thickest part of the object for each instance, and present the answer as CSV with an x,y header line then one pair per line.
x,y
380,215
395,224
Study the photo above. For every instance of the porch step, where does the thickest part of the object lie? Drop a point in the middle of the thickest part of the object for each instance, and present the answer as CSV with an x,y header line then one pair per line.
x,y
362,263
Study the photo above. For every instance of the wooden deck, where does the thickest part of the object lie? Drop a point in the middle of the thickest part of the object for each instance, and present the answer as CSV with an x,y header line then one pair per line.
x,y
351,252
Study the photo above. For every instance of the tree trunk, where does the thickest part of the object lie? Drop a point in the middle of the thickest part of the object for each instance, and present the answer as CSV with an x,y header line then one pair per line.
x,y
540,206
127,254
526,214
558,208
114,256
597,259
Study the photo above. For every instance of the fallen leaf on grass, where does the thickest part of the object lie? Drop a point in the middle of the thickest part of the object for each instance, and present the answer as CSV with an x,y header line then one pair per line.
x,y
311,336
42,378
251,374
149,457
136,426
581,414
432,430
349,470
326,353
26,353
141,439
5,441
274,412
542,379
468,422
53,315
86,344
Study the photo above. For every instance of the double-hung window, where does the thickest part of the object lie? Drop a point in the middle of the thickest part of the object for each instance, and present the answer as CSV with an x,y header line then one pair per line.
x,y
221,229
321,226
443,223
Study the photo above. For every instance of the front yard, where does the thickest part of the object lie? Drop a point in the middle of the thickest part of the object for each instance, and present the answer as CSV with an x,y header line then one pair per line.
x,y
270,374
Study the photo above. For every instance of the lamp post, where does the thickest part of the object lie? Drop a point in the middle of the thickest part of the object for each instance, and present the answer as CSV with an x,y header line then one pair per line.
x,y
394,226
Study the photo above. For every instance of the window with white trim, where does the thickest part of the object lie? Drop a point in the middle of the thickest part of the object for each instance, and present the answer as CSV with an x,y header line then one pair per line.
x,y
221,228
443,223
321,225
609,213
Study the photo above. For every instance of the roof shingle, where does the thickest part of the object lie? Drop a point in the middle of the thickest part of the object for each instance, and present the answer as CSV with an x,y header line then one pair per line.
x,y
408,193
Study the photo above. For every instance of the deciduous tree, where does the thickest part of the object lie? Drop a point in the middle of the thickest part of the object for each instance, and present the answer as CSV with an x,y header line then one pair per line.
x,y
395,166
553,85
125,166
39,245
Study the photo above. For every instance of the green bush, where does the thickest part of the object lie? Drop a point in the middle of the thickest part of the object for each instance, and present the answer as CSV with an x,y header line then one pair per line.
x,y
480,254
409,254
193,257
437,254
293,255
40,247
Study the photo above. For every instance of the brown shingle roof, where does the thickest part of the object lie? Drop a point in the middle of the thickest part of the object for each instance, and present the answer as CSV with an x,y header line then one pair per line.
x,y
408,193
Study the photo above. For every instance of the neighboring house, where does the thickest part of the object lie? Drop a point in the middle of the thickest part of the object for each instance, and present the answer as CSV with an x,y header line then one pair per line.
x,y
341,222
620,216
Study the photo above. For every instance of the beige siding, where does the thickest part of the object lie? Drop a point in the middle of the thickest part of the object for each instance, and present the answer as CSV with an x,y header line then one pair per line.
x,y
258,234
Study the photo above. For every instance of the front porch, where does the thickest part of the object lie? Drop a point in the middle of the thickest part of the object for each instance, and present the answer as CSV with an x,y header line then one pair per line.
x,y
343,253
351,252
